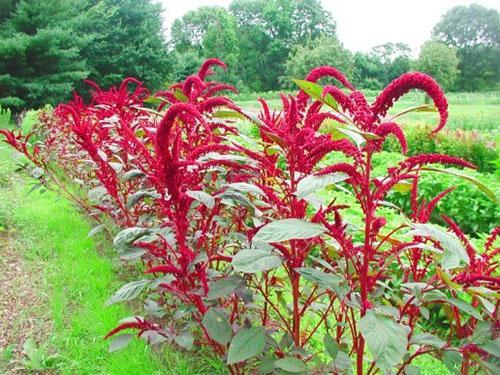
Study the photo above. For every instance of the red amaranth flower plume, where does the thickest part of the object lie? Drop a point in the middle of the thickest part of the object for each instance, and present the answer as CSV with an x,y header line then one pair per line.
x,y
205,69
405,83
423,159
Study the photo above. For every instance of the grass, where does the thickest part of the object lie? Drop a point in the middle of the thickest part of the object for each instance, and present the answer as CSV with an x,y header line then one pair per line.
x,y
468,111
78,278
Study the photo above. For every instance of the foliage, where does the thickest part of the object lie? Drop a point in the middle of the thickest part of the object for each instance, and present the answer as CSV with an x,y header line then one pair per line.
x,y
440,61
127,41
39,54
5,116
480,149
48,47
321,51
474,31
469,207
200,206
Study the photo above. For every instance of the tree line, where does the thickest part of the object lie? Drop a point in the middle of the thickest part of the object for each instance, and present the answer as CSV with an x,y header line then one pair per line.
x,y
48,47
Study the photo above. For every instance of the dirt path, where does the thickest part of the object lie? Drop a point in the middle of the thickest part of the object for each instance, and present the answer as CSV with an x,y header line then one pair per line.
x,y
21,310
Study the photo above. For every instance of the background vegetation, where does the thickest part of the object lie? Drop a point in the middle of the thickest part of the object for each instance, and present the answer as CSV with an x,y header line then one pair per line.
x,y
47,47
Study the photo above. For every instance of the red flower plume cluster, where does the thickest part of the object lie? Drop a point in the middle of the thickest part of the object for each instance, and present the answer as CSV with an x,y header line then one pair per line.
x,y
277,236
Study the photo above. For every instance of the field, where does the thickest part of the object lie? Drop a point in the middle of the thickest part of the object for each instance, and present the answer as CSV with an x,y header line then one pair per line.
x,y
64,277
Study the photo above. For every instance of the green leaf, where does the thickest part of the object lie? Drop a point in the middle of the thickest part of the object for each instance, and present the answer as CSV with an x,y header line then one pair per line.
x,y
313,183
291,364
228,114
427,339
202,197
128,292
492,347
288,229
247,343
454,251
133,199
476,182
120,342
331,346
96,230
224,287
315,91
129,235
465,307
255,260
453,361
245,187
386,339
217,325
133,174
184,340
323,279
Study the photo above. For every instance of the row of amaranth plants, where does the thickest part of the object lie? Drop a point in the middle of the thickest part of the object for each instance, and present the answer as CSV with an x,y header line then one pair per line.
x,y
241,250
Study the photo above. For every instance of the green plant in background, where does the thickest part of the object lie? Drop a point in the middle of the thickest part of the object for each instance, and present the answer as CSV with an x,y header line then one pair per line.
x,y
480,149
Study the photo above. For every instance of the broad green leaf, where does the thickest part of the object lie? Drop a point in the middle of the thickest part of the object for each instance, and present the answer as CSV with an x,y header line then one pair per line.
x,y
217,325
245,187
288,229
412,370
120,342
133,199
386,339
453,361
313,183
180,95
485,189
342,363
247,343
129,235
402,187
255,260
291,364
228,114
331,346
96,230
465,307
223,287
202,197
454,251
132,174
128,291
427,339
492,347
315,91
323,279
184,340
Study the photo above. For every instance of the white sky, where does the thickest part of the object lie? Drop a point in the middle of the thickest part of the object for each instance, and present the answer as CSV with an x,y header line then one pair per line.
x,y
362,24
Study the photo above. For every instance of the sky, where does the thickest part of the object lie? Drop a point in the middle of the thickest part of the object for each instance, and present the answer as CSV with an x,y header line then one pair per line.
x,y
362,24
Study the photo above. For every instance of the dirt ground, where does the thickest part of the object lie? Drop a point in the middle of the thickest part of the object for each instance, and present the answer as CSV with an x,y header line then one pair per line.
x,y
22,320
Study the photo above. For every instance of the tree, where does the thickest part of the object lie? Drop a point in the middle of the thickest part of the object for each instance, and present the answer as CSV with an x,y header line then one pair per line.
x,y
127,40
368,72
47,47
475,32
267,32
396,60
221,41
40,59
321,51
188,32
440,61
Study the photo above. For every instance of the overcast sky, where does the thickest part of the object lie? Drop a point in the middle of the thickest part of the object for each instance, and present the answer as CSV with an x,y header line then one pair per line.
x,y
362,24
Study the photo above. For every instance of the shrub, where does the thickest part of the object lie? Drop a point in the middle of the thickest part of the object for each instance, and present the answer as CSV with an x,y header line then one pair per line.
x,y
5,117
481,150
244,252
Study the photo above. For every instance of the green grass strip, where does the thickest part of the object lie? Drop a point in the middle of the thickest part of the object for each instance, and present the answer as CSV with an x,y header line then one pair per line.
x,y
77,280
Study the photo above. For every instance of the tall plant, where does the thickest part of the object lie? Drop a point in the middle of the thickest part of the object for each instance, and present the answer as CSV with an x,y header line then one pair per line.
x,y
246,244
